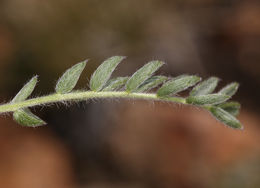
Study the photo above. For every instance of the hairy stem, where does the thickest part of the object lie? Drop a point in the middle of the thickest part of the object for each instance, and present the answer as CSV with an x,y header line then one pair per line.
x,y
84,95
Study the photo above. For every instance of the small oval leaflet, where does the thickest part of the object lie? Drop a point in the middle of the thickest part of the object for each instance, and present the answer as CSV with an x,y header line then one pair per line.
x,y
230,89
231,107
141,75
103,73
151,83
177,85
212,99
225,117
115,84
26,91
69,79
205,87
26,118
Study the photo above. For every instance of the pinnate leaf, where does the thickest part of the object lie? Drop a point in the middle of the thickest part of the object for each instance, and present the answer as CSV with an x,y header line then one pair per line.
x,y
211,99
69,79
26,118
26,91
230,89
103,73
135,86
141,75
115,84
225,117
177,85
151,83
231,107
205,87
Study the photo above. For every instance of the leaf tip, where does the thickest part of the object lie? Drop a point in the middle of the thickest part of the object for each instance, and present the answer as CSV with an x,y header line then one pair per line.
x,y
118,57
197,78
84,62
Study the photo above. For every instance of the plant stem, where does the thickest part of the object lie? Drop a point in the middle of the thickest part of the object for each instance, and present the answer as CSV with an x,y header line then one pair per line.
x,y
84,95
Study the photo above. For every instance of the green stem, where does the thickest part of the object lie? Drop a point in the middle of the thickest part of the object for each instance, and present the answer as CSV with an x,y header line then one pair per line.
x,y
84,95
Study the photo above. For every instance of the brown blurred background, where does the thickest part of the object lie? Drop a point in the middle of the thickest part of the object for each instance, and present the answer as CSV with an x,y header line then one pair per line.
x,y
130,144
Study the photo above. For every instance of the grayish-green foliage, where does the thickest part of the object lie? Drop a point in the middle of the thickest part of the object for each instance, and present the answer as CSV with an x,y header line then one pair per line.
x,y
230,89
225,117
115,84
205,87
137,86
26,91
70,78
141,75
212,99
26,118
151,83
231,107
177,85
103,73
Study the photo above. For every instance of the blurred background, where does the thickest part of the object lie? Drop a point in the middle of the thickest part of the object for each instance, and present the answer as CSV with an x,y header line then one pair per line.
x,y
130,144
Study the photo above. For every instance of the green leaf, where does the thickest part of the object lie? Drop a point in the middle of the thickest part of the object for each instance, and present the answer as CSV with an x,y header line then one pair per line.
x,y
207,99
26,91
151,83
69,79
103,73
26,118
205,87
177,85
115,84
225,117
230,89
231,107
141,75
